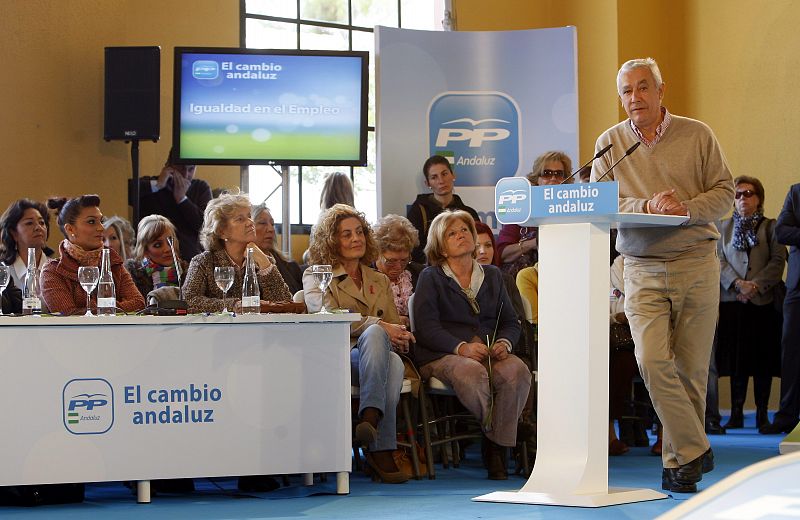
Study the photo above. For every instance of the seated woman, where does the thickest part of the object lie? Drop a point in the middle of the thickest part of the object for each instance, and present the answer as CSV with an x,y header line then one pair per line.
x,y
265,240
465,324
24,224
396,237
227,232
518,246
119,235
343,239
152,265
81,222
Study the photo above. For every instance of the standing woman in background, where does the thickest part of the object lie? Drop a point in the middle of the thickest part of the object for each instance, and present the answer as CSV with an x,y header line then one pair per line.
x,y
440,179
81,222
748,333
336,189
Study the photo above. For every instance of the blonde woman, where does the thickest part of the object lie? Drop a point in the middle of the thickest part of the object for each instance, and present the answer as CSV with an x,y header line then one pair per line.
x,y
465,323
228,230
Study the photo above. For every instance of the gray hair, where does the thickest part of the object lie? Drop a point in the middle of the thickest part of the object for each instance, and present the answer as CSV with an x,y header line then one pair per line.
x,y
216,217
639,63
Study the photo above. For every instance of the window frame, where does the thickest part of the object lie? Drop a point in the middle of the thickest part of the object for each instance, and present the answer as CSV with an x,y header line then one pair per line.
x,y
302,226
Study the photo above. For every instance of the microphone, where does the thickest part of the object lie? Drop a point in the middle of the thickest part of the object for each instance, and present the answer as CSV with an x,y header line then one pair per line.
x,y
590,161
176,264
627,153
172,307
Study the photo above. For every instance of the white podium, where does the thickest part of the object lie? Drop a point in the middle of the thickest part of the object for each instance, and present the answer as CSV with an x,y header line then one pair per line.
x,y
571,466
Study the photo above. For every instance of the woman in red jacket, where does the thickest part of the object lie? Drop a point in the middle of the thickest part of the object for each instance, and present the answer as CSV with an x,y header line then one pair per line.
x,y
81,222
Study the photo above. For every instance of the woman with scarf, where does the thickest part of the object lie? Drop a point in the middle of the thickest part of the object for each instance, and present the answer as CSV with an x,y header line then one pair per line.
x,y
152,266
748,334
81,222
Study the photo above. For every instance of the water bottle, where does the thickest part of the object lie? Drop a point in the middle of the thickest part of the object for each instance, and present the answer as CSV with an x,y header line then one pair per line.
x,y
31,302
251,295
106,295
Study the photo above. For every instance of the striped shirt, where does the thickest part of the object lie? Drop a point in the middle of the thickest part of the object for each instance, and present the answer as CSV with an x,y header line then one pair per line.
x,y
660,129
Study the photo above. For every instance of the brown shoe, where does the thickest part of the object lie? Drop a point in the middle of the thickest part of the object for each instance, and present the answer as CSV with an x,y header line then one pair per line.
x,y
616,447
388,477
365,433
494,457
656,449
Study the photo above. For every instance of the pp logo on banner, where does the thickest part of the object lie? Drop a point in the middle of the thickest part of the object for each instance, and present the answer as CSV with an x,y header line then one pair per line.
x,y
205,69
478,132
88,406
512,200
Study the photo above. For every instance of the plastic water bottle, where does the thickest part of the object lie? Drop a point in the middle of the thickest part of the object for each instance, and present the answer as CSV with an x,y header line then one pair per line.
x,y
251,295
31,301
106,295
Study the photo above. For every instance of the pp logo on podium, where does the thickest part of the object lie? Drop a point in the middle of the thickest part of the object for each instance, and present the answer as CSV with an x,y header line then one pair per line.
x,y
512,196
88,406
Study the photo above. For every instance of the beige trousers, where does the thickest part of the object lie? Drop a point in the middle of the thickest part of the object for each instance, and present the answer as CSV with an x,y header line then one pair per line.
x,y
470,381
672,308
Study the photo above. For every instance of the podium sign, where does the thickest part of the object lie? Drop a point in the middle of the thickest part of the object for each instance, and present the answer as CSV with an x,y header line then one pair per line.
x,y
517,202
596,198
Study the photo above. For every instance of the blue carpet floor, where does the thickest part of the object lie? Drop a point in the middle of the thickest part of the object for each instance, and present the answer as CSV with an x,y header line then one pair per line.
x,y
447,497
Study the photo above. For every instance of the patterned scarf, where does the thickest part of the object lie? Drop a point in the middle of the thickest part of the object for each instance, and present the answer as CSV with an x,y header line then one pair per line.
x,y
81,255
402,291
744,230
163,276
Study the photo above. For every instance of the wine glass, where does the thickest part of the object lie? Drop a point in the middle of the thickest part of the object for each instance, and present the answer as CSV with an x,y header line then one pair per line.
x,y
323,274
5,276
223,276
88,277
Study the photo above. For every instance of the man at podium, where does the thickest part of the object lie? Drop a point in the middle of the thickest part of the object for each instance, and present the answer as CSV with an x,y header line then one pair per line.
x,y
671,273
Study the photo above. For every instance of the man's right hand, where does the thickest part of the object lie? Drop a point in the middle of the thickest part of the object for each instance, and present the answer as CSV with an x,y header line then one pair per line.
x,y
665,203
164,176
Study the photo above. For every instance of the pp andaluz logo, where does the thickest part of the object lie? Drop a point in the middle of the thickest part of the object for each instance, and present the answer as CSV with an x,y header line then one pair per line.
x,y
88,406
479,134
512,200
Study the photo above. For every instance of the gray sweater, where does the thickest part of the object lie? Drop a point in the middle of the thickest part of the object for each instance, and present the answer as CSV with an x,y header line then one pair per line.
x,y
688,158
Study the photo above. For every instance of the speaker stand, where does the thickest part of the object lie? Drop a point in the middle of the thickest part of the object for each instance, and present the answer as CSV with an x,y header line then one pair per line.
x,y
135,177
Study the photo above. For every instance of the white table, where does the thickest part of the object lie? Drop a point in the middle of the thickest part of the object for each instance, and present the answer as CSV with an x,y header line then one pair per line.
x,y
263,394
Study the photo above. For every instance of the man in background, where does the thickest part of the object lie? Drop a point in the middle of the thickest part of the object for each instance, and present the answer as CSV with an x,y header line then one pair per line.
x,y
177,195
787,231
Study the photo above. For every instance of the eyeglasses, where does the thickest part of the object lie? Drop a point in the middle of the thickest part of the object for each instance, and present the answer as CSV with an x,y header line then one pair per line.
x,y
395,262
552,173
746,194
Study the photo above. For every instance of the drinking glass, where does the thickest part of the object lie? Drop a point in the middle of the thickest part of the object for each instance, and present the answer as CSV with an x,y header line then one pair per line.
x,y
323,274
5,275
88,277
223,276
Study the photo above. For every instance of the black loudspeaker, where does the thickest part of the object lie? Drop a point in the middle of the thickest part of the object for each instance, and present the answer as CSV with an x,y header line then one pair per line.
x,y
132,93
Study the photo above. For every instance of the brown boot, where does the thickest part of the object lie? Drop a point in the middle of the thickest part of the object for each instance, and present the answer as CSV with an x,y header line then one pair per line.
x,y
383,468
494,458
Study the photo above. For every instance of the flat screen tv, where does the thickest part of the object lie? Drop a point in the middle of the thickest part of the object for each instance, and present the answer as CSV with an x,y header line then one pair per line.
x,y
252,106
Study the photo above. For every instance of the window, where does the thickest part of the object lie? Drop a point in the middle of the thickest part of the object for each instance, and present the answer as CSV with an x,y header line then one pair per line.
x,y
326,25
